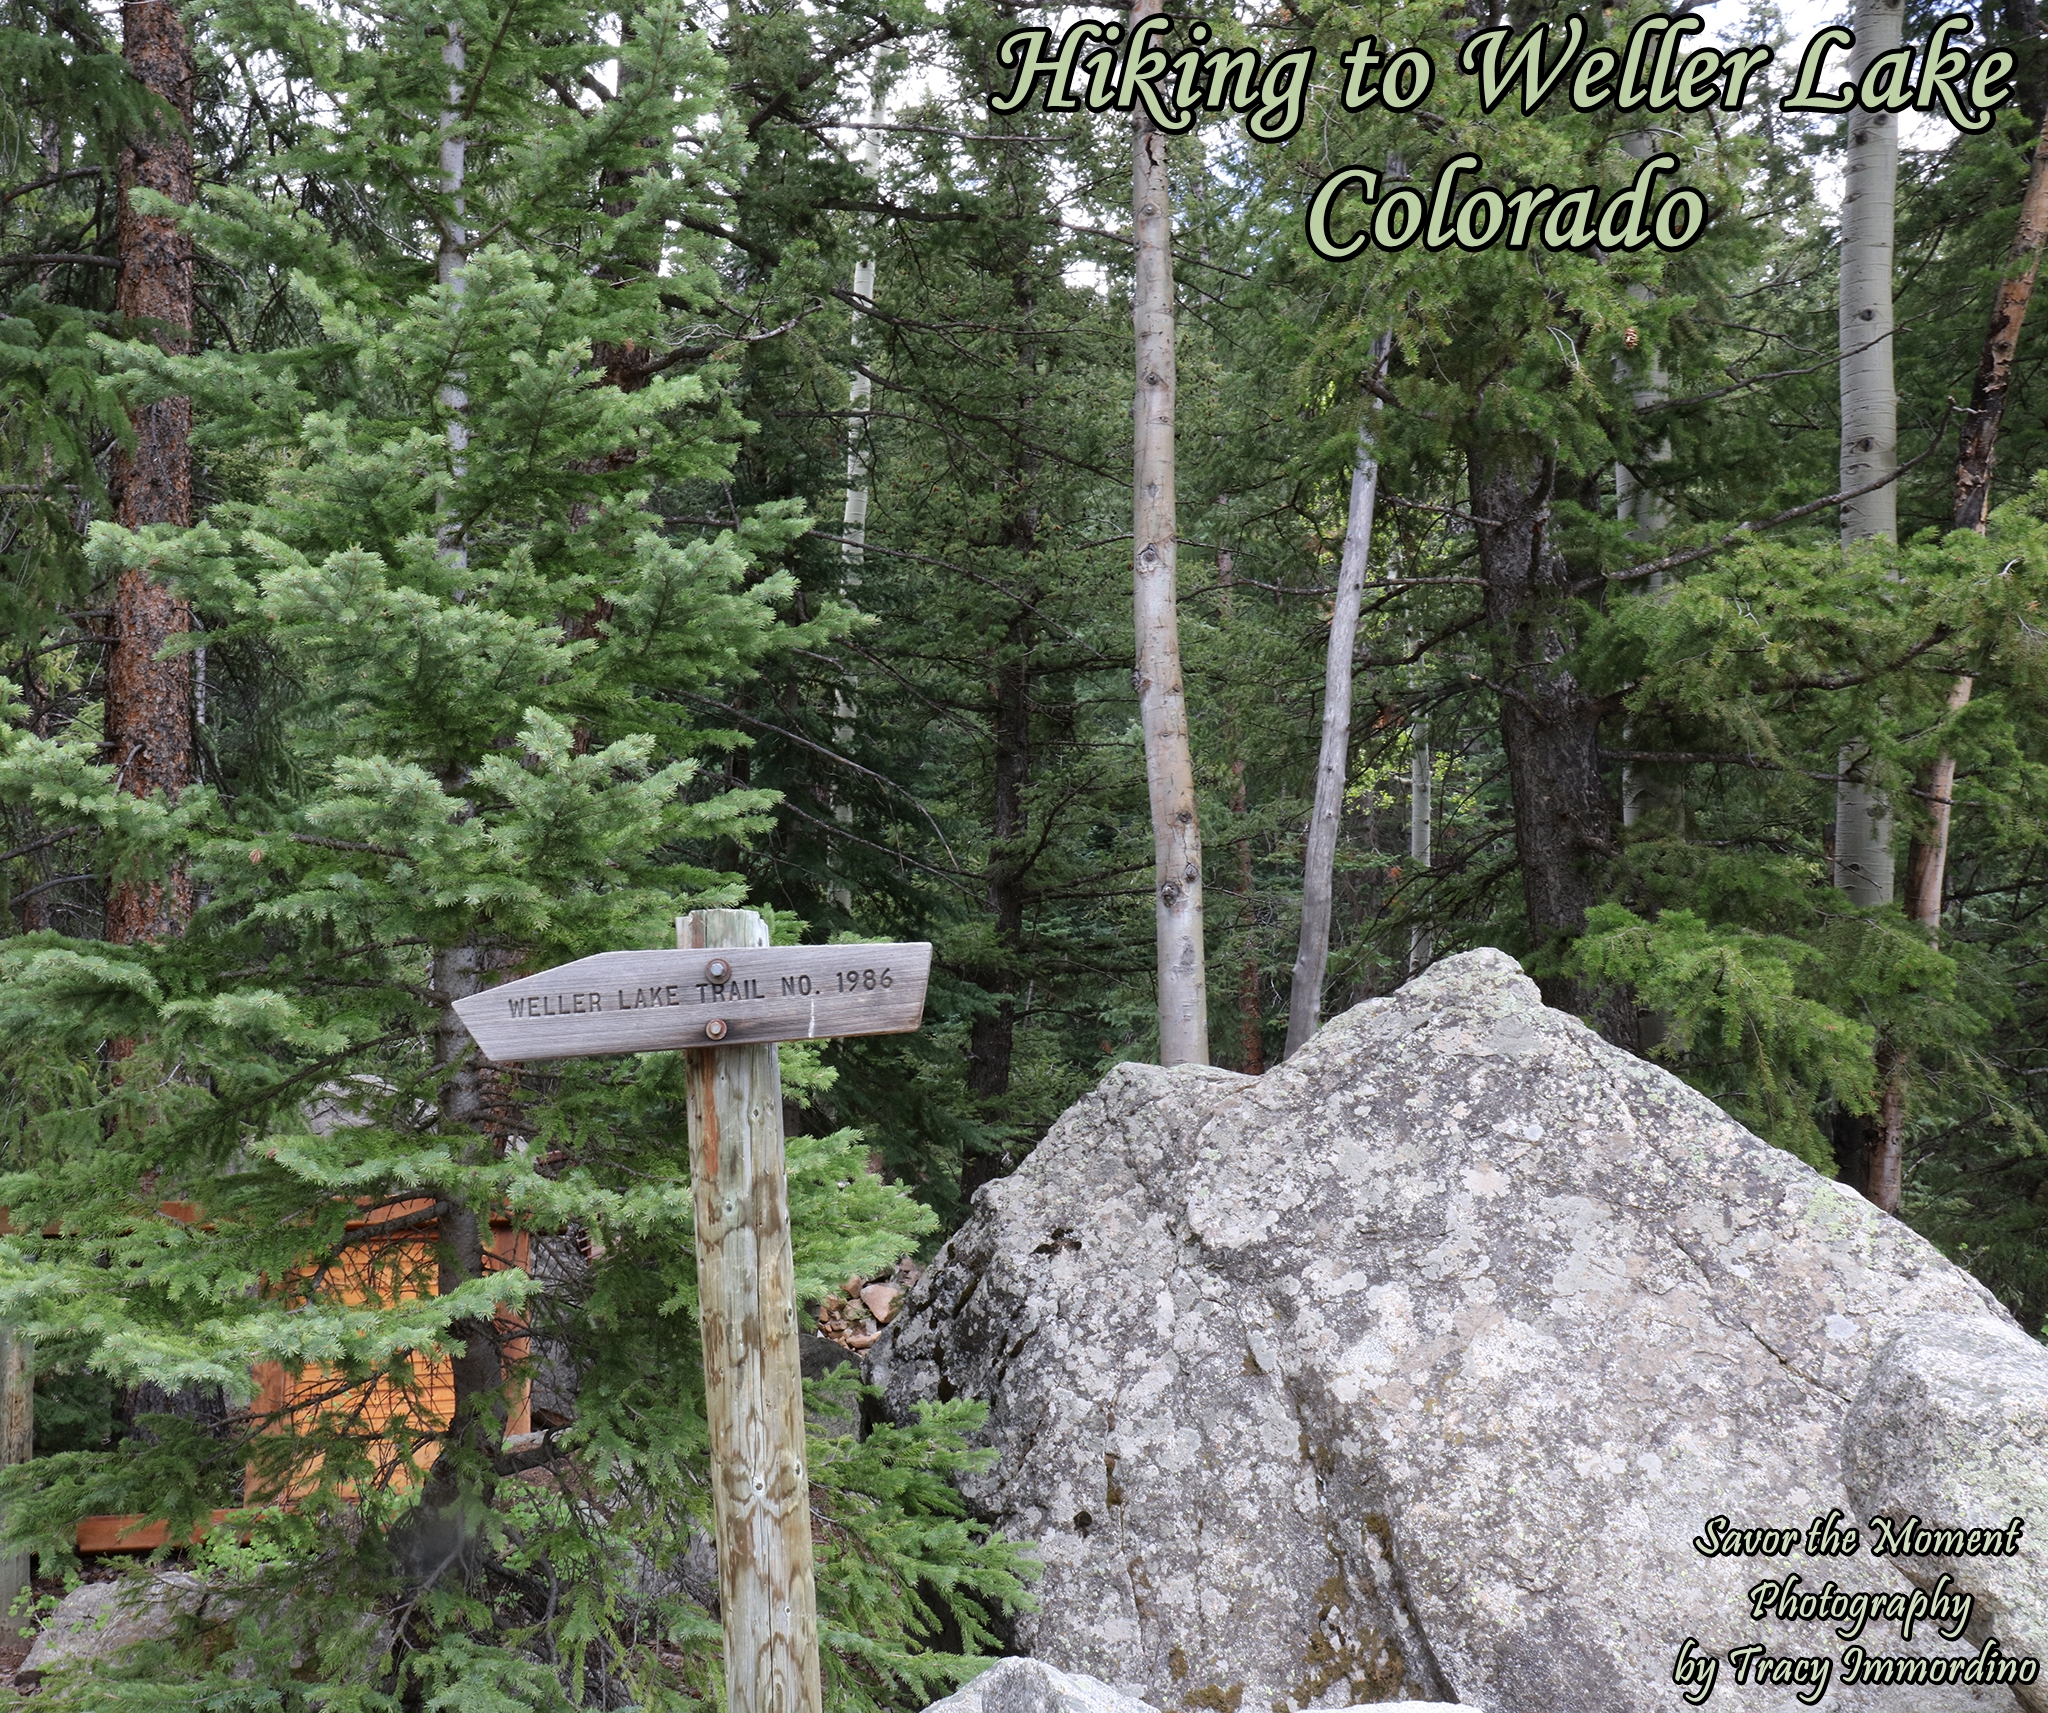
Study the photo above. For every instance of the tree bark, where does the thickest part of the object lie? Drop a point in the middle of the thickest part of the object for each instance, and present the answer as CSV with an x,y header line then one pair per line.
x,y
149,700
1863,815
1421,779
1870,409
459,1484
1312,952
1162,697
1975,459
1549,724
992,1036
1978,452
17,1438
1251,1030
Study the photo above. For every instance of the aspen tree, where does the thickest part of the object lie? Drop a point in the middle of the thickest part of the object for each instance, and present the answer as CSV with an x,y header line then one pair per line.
x,y
1312,956
1162,697
1870,408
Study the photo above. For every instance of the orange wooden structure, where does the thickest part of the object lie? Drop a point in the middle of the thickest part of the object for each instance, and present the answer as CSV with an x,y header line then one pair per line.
x,y
378,1271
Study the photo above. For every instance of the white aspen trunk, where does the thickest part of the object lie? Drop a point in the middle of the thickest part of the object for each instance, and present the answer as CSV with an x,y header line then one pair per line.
x,y
1312,950
1421,768
1870,180
449,262
860,389
1162,697
860,392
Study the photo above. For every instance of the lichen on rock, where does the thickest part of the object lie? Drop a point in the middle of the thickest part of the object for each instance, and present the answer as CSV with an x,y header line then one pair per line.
x,y
1412,1369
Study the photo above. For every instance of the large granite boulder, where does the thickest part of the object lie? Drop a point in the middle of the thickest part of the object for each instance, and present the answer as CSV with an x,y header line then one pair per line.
x,y
1414,1369
1032,1686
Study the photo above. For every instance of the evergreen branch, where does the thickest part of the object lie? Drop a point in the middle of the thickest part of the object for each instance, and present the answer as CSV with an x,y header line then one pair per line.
x,y
1849,680
21,898
1715,758
834,830
55,258
391,1227
53,178
973,576
1671,561
346,845
231,1110
42,843
1377,663
833,755
1839,358
924,130
79,26
1441,511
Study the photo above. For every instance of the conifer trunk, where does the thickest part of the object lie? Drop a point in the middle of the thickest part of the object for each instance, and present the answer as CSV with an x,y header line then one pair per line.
x,y
1162,697
1549,723
1312,952
992,1036
148,700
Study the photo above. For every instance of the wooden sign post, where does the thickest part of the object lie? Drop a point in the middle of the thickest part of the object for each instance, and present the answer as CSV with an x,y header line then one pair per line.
x,y
725,997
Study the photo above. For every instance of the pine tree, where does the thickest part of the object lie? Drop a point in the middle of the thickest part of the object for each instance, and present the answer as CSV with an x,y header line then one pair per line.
x,y
470,737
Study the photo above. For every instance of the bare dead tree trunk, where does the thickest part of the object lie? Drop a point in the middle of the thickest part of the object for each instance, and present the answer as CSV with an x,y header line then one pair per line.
x,y
1251,1032
1975,459
1312,951
1421,783
1162,697
1978,452
148,700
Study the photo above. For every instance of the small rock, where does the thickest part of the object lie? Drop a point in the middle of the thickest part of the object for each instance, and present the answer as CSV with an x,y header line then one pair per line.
x,y
97,1621
881,1301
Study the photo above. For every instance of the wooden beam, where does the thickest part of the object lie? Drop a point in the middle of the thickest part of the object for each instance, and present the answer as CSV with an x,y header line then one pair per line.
x,y
753,1392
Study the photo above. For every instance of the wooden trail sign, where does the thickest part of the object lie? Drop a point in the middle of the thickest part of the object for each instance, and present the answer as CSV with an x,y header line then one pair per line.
x,y
646,1002
726,997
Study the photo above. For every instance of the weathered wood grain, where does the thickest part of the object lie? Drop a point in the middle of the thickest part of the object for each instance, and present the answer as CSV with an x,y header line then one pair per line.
x,y
746,1292
17,1436
645,1002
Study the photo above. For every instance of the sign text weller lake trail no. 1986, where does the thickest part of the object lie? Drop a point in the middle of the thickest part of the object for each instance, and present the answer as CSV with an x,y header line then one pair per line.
x,y
642,1002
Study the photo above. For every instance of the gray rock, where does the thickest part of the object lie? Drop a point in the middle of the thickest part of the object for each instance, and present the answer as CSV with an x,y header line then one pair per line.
x,y
96,1621
1951,1426
1414,1368
1032,1686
